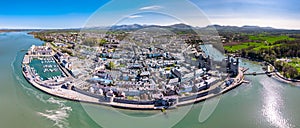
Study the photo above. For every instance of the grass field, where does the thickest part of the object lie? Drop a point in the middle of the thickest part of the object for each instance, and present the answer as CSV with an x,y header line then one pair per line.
x,y
258,42
269,39
295,63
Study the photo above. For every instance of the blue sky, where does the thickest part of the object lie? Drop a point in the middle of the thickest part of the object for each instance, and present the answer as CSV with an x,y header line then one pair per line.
x,y
81,13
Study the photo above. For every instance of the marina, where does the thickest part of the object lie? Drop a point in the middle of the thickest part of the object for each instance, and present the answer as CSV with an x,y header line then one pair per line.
x,y
46,68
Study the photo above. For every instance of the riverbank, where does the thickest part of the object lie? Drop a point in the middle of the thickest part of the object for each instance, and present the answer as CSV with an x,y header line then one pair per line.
x,y
276,75
281,78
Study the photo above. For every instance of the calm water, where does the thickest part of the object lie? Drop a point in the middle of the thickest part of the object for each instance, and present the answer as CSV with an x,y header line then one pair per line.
x,y
45,72
264,102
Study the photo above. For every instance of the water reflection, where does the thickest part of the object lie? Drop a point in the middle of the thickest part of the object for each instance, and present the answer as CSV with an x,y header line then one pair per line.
x,y
273,104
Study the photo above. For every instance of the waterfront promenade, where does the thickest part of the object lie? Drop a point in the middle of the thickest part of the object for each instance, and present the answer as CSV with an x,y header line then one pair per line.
x,y
280,77
238,80
276,75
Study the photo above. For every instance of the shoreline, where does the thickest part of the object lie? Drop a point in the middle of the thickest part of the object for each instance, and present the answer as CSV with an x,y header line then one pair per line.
x,y
281,78
277,76
76,96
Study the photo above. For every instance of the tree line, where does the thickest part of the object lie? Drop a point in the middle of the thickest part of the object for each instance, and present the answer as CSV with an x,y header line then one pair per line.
x,y
279,49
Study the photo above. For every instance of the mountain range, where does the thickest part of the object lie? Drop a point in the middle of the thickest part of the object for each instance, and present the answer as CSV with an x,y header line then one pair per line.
x,y
219,28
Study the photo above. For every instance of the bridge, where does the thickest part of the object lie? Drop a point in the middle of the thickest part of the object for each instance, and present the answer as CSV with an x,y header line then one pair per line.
x,y
260,73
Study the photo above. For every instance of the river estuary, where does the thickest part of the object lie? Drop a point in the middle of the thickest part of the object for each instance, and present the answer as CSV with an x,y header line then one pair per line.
x,y
264,102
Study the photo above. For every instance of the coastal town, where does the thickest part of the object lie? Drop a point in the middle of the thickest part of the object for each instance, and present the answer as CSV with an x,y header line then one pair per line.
x,y
134,73
150,64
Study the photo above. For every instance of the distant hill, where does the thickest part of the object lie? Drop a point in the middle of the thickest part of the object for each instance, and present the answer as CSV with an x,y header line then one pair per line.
x,y
184,26
137,26
255,27
181,26
187,28
248,29
127,27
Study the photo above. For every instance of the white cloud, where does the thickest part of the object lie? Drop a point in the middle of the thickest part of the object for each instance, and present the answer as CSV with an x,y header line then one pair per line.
x,y
134,16
154,7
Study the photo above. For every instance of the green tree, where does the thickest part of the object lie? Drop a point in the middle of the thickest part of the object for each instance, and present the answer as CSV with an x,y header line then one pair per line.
x,y
102,42
111,65
292,72
285,68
